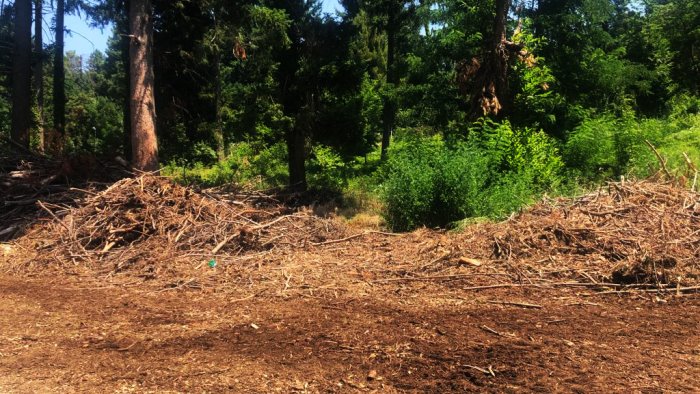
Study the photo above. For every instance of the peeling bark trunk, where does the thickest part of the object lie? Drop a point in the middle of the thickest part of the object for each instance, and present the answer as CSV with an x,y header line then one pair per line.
x,y
143,111
21,74
485,80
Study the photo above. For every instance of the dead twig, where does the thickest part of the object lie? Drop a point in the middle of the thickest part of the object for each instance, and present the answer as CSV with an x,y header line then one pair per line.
x,y
520,304
661,160
491,330
335,241
431,278
488,371
59,221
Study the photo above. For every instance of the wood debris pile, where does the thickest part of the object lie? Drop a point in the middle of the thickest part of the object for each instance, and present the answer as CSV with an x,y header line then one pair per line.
x,y
26,178
635,233
148,220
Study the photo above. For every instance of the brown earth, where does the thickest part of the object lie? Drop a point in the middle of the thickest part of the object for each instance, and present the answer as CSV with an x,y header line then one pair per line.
x,y
59,337
587,295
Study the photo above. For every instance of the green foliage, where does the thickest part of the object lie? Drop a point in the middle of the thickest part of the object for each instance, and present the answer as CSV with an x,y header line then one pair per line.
x,y
326,170
371,114
415,192
494,172
599,147
527,152
609,146
94,124
247,165
680,137
535,100
673,32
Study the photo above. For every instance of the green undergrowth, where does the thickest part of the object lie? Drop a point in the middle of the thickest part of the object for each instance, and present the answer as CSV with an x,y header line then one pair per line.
x,y
492,172
609,146
486,172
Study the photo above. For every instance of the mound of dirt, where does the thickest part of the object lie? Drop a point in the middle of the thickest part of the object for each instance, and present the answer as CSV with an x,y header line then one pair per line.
x,y
141,222
635,233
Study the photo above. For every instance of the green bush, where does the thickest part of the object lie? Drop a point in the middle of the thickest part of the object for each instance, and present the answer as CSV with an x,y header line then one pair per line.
x,y
530,153
493,173
260,168
326,170
682,138
269,167
93,124
607,146
603,147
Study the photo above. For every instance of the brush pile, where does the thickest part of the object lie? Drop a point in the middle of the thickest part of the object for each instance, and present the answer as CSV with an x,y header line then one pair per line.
x,y
148,220
638,233
26,178
634,235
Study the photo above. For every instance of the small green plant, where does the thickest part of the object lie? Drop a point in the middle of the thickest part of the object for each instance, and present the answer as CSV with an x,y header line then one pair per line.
x,y
431,184
326,170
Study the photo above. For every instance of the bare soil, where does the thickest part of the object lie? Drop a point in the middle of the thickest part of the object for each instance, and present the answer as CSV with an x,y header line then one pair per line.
x,y
64,337
214,293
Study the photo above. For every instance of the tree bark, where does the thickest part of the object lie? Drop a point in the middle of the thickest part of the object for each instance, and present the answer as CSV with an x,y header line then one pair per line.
x,y
59,75
144,144
21,74
296,162
126,104
389,109
487,81
218,128
39,69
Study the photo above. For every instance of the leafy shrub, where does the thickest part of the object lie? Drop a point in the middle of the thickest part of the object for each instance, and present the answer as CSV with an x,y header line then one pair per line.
x,y
530,153
269,166
94,124
681,139
491,174
263,168
326,169
415,192
602,147
607,146
361,195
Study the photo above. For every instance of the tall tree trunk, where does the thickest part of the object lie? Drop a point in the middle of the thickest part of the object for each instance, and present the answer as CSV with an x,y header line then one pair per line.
x,y
59,75
499,24
39,69
389,109
218,127
489,91
143,110
126,104
296,160
21,74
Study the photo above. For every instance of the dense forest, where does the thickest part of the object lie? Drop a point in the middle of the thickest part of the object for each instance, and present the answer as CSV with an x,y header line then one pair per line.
x,y
427,111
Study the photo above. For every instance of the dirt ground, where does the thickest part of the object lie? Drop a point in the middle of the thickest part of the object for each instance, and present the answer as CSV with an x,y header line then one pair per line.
x,y
59,335
145,286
